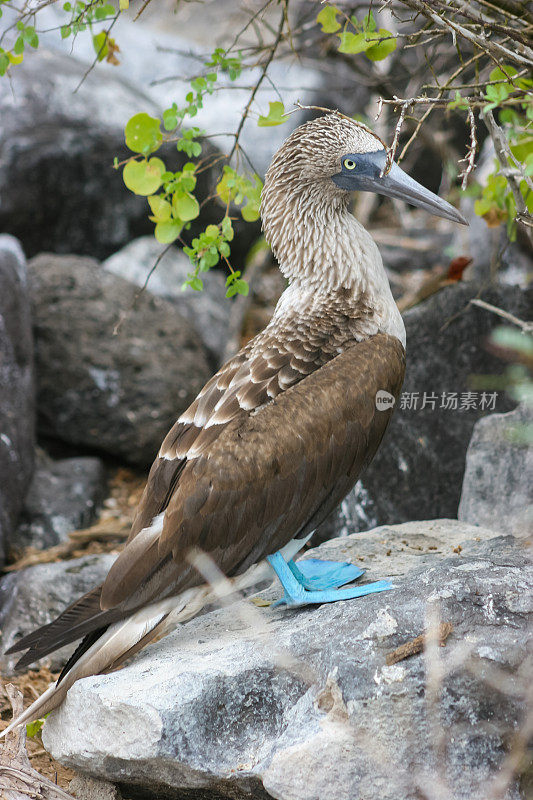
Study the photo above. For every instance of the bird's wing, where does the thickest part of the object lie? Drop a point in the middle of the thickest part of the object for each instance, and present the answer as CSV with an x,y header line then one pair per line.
x,y
243,385
260,457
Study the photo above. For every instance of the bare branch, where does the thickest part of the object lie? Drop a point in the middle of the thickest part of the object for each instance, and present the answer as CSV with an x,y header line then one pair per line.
x,y
527,327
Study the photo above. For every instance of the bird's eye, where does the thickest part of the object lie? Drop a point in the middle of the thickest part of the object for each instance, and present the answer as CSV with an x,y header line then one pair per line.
x,y
349,164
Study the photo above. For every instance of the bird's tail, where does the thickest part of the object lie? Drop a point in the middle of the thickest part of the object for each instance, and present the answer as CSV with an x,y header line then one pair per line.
x,y
106,649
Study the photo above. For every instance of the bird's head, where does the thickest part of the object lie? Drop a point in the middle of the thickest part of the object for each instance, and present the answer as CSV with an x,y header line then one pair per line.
x,y
334,155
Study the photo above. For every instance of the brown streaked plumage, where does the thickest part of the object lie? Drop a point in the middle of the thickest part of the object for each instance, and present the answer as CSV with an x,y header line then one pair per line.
x,y
276,438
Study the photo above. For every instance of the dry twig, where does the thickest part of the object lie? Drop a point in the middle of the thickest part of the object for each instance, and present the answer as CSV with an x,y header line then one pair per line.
x,y
18,779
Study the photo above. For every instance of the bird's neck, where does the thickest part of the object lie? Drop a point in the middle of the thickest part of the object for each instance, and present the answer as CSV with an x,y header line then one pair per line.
x,y
326,254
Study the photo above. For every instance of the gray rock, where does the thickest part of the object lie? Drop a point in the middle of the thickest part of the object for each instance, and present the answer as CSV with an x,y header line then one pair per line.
x,y
17,406
85,788
118,394
162,49
211,314
250,702
497,487
35,596
57,189
418,470
63,496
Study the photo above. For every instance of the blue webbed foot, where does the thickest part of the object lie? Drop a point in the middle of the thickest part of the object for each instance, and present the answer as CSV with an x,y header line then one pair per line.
x,y
297,595
313,573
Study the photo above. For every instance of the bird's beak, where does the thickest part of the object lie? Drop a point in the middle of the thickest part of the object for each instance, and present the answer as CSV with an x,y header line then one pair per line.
x,y
367,177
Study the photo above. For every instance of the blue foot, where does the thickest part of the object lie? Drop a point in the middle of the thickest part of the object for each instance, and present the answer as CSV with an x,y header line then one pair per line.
x,y
313,574
297,595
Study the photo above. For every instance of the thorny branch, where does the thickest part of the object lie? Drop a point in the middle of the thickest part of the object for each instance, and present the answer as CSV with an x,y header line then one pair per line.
x,y
471,154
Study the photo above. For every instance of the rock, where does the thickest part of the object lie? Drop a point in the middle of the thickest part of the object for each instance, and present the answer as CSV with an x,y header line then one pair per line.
x,y
117,394
263,703
35,596
213,317
17,405
63,496
85,788
57,145
418,470
162,52
57,191
497,491
301,704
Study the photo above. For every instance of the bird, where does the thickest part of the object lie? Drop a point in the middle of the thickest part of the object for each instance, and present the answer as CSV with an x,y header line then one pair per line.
x,y
280,434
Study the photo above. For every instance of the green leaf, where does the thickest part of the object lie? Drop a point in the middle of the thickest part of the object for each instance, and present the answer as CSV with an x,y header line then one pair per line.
x,y
4,63
195,283
170,120
65,31
237,286
143,134
381,50
353,42
227,229
498,93
167,232
13,59
33,728
208,260
100,46
250,212
211,234
276,115
369,23
327,18
124,5
30,36
458,102
19,46
161,208
186,207
143,177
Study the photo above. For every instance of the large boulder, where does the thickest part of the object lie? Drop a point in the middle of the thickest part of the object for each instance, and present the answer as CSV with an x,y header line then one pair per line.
x,y
166,48
418,470
302,704
497,487
64,496
34,596
57,188
59,136
214,318
17,406
120,393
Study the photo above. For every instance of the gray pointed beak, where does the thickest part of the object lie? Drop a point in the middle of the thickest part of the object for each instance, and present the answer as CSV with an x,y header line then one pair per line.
x,y
366,177
399,184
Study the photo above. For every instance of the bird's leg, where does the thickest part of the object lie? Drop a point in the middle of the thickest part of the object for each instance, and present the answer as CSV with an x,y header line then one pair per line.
x,y
313,573
296,595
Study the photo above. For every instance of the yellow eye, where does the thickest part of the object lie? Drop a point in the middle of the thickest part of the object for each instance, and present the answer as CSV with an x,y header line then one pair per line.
x,y
349,164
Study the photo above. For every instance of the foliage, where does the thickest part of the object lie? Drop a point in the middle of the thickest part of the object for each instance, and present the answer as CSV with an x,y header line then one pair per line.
x,y
171,195
511,96
34,728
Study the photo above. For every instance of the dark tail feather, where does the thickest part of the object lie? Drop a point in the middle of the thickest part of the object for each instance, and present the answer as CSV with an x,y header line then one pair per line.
x,y
82,648
80,618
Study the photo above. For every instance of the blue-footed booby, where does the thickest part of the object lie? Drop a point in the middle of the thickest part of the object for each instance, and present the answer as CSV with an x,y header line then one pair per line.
x,y
278,437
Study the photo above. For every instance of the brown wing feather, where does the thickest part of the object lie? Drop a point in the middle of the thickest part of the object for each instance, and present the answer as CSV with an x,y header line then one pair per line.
x,y
263,479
